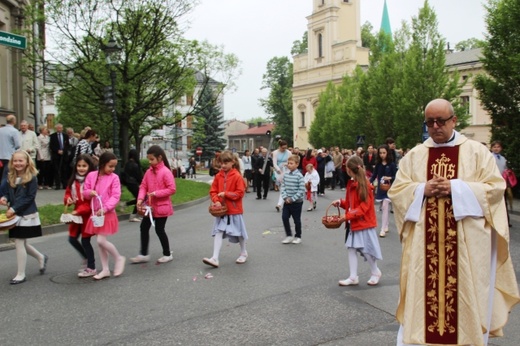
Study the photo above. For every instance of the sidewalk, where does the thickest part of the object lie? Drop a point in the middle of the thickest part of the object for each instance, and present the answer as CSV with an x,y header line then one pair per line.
x,y
55,197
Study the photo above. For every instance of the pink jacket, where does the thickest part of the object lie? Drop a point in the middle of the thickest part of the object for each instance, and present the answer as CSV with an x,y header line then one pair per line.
x,y
107,187
160,181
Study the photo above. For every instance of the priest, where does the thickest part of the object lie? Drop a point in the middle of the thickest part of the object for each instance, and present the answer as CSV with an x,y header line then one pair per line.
x,y
457,283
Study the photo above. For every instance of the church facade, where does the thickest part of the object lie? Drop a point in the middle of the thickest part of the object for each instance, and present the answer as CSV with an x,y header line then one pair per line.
x,y
334,50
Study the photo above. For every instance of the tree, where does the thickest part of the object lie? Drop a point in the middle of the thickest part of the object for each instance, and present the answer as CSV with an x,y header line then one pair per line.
x,y
300,47
500,88
424,77
208,129
278,104
367,37
156,68
470,43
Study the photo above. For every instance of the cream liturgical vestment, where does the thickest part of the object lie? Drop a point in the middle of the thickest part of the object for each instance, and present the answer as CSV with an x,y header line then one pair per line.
x,y
454,248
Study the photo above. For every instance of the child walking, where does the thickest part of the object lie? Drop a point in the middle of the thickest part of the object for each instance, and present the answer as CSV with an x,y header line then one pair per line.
x,y
292,192
360,212
104,184
18,192
156,189
228,188
74,196
385,174
312,180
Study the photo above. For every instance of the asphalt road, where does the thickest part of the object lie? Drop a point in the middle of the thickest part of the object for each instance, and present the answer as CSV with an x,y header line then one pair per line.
x,y
283,295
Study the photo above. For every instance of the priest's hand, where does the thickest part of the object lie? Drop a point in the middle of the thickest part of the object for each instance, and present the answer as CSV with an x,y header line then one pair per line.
x,y
437,187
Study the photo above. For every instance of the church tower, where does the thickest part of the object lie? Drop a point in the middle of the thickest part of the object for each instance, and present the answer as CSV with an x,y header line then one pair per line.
x,y
334,50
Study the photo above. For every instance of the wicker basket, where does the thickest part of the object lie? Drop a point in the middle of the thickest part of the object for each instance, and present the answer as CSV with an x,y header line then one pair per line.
x,y
332,221
218,211
385,186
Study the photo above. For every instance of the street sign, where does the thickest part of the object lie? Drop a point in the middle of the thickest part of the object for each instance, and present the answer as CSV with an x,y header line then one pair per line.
x,y
360,140
13,40
198,151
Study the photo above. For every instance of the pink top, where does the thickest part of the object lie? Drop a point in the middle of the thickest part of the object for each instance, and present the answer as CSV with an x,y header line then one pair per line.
x,y
107,187
159,180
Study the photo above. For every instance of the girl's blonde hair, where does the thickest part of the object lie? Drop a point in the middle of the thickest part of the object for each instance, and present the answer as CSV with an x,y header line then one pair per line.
x,y
30,170
355,164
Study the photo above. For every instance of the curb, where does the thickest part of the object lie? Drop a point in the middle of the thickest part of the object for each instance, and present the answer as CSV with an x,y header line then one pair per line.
x,y
7,244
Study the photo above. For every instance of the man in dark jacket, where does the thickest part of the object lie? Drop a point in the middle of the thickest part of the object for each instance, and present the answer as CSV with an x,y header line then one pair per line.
x,y
262,173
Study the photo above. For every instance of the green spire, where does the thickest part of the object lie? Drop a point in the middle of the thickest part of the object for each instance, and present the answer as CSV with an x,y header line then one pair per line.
x,y
385,21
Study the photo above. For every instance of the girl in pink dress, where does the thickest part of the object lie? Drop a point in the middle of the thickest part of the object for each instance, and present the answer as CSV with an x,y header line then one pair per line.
x,y
105,184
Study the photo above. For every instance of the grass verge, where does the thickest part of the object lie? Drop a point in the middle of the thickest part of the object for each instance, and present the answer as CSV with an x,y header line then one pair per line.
x,y
187,190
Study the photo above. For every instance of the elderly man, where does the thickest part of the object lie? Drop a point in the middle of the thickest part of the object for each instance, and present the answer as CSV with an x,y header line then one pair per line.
x,y
9,143
28,140
457,283
59,145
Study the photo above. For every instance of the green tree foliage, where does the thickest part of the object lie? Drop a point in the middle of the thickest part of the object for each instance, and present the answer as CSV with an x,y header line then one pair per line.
x,y
208,131
500,88
367,37
300,47
470,43
278,78
156,66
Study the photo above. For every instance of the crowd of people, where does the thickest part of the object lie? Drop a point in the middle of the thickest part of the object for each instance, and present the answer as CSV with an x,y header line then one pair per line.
x,y
450,215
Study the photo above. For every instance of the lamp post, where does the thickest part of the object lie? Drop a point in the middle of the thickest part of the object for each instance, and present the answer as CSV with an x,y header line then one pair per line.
x,y
111,49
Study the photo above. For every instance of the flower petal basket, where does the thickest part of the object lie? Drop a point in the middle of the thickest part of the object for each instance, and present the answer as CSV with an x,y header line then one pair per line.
x,y
332,220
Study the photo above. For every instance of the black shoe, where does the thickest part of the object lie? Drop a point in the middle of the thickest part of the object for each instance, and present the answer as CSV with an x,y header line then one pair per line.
x,y
16,282
265,197
258,197
44,268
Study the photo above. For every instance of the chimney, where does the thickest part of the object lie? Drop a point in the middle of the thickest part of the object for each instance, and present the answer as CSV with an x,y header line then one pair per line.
x,y
259,124
251,125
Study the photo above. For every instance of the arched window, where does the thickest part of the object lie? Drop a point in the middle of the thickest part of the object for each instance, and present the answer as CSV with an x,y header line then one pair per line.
x,y
320,45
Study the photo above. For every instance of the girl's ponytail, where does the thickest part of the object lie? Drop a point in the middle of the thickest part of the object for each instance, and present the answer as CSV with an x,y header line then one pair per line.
x,y
355,164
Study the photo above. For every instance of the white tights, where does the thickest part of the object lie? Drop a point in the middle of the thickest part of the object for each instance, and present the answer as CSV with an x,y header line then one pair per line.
x,y
106,248
384,217
353,262
217,245
22,249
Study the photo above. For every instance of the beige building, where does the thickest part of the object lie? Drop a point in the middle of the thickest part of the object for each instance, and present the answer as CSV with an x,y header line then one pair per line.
x,y
13,96
334,41
469,65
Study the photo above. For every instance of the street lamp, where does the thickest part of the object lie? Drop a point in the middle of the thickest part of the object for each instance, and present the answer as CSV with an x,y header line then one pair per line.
x,y
111,51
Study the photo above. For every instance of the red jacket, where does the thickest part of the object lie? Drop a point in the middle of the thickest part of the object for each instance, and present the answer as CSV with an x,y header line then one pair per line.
x,y
233,185
81,207
362,215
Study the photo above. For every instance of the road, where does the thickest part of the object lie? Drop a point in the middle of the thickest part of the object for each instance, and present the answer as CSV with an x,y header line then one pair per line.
x,y
283,295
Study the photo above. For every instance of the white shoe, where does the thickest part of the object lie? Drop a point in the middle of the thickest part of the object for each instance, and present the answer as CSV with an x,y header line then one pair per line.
x,y
140,259
165,259
374,279
87,272
135,219
297,240
349,282
211,262
382,234
287,240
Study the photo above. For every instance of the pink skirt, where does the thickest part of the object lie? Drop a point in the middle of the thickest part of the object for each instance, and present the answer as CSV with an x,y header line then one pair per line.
x,y
110,226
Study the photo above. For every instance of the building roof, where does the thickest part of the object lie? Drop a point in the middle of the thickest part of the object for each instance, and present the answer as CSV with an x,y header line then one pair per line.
x,y
464,57
255,131
385,21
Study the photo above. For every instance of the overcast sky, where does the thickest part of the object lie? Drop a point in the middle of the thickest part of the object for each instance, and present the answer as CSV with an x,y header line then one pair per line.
x,y
257,31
